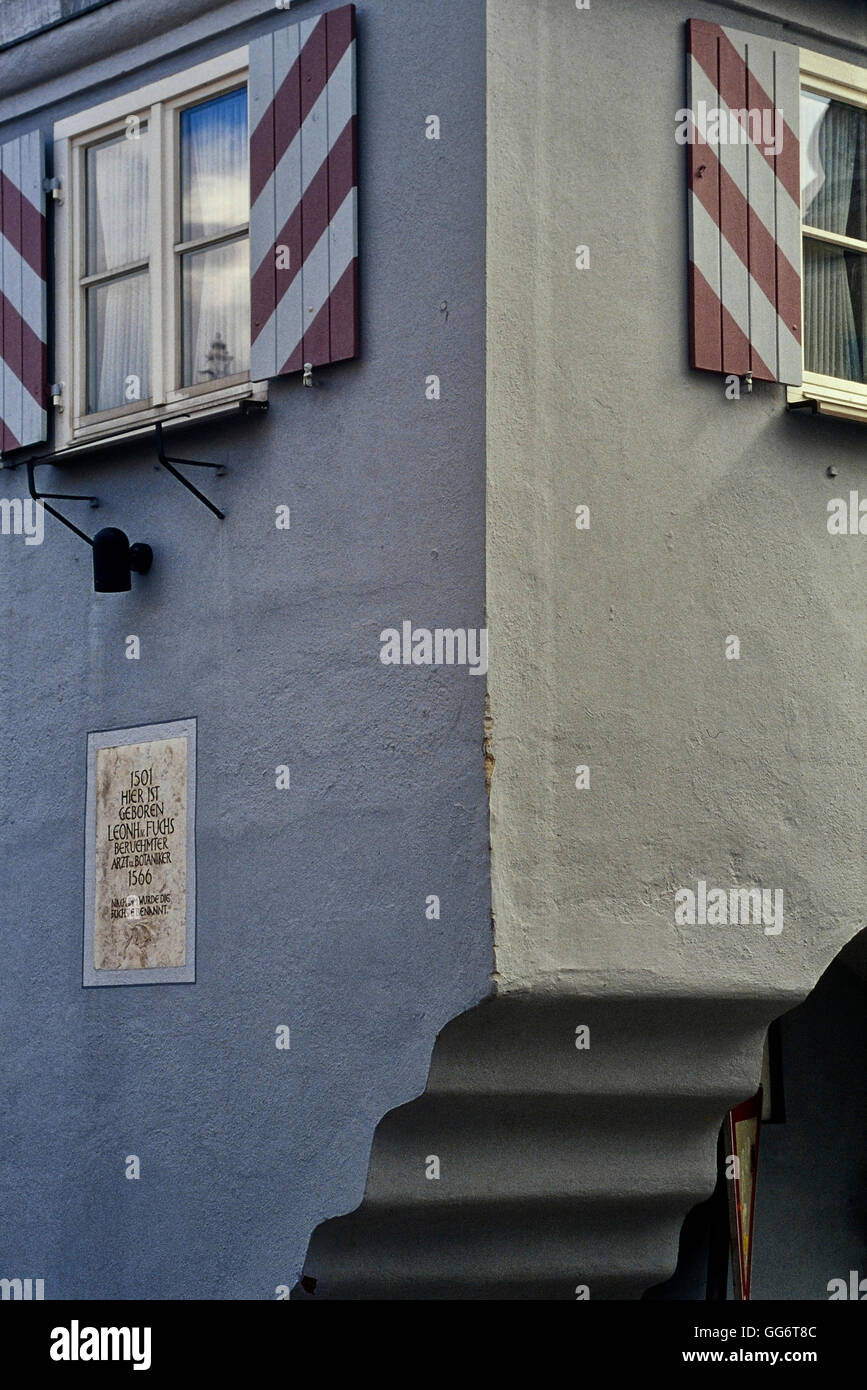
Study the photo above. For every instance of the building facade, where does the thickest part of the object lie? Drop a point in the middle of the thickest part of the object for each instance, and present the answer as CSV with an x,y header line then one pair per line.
x,y
500,320
350,507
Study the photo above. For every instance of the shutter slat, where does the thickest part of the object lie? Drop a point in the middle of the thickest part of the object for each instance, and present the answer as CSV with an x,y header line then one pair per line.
x,y
761,183
343,185
737,328
314,177
287,116
263,349
704,242
745,219
303,167
13,390
787,95
23,294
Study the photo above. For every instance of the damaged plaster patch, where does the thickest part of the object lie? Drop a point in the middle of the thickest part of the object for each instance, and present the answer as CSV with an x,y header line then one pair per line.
x,y
488,745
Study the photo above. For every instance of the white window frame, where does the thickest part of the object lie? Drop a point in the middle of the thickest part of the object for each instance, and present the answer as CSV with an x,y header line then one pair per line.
x,y
160,104
829,77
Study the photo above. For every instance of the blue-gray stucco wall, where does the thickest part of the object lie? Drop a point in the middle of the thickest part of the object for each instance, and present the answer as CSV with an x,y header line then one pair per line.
x,y
310,901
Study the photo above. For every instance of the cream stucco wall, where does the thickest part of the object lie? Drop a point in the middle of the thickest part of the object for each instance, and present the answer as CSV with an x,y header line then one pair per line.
x,y
708,518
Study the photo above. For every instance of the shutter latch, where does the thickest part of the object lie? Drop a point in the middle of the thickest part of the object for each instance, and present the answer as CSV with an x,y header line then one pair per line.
x,y
57,396
55,188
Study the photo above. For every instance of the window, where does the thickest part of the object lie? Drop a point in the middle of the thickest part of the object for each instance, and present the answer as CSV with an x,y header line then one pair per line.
x,y
168,289
115,269
214,250
834,235
153,253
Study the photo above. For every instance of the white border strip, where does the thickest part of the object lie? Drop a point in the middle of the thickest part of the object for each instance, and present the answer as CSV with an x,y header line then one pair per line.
x,y
166,89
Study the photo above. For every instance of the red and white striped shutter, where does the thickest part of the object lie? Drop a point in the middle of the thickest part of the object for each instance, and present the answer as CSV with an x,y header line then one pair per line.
x,y
23,294
303,195
744,207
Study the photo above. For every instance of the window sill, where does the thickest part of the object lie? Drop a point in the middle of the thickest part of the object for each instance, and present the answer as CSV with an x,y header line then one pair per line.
x,y
847,400
194,410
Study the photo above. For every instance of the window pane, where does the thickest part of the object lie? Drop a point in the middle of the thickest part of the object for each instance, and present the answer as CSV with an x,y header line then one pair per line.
x,y
215,192
835,310
216,312
834,165
118,348
117,200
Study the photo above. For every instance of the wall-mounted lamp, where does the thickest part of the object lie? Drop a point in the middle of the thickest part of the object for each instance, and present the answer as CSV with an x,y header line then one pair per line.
x,y
113,557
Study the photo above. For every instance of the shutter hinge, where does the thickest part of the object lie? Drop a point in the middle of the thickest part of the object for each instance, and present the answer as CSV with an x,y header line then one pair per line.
x,y
57,396
55,188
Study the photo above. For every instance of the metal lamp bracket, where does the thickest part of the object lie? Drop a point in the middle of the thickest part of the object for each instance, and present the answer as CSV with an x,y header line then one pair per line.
x,y
57,497
167,462
169,465
110,571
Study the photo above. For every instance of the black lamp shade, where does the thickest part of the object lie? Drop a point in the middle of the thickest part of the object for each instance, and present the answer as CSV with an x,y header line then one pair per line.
x,y
111,567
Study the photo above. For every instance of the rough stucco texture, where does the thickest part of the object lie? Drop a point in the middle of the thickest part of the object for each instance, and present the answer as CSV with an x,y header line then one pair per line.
x,y
18,18
708,518
311,903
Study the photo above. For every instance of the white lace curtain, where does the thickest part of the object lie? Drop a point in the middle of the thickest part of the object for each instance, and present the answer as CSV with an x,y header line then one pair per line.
x,y
214,194
118,332
214,198
835,311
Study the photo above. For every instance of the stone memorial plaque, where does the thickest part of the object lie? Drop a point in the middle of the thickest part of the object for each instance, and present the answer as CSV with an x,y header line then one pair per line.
x,y
140,870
